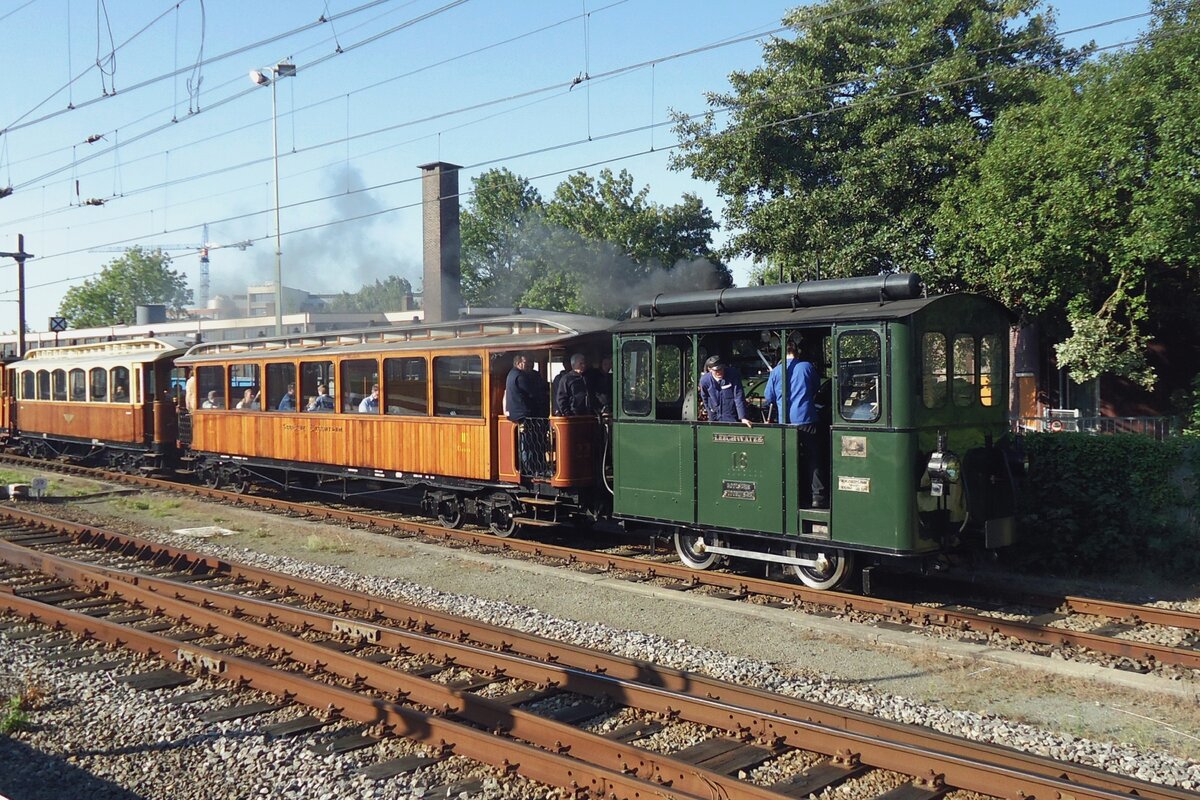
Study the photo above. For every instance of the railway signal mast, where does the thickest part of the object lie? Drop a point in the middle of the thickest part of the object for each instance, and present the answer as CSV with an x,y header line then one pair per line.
x,y
203,247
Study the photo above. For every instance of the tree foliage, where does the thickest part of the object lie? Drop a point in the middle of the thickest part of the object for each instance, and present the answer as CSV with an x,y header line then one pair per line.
x,y
592,248
390,294
1085,209
138,277
838,147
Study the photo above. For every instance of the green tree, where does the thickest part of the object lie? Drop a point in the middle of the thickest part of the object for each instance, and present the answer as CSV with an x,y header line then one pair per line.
x,y
391,294
1085,210
138,277
593,248
498,237
838,147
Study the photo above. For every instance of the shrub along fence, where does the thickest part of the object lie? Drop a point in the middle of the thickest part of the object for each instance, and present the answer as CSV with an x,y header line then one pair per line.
x,y
1111,505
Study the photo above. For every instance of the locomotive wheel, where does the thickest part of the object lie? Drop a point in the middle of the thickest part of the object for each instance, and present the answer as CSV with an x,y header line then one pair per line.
x,y
502,521
690,547
834,568
450,513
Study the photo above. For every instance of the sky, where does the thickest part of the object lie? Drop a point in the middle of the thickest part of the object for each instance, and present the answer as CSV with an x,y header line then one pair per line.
x,y
138,123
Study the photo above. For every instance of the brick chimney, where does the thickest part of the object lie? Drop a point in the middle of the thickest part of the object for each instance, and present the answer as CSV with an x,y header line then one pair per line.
x,y
442,275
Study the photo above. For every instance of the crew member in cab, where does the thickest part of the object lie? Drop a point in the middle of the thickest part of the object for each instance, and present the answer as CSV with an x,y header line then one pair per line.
x,y
721,391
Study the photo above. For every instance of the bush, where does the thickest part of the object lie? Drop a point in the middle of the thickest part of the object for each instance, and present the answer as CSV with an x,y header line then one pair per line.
x,y
1101,505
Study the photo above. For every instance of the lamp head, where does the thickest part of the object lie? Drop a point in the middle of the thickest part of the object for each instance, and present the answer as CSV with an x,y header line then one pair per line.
x,y
258,77
285,69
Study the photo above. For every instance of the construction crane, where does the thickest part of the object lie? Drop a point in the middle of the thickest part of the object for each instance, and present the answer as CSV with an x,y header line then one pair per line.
x,y
203,247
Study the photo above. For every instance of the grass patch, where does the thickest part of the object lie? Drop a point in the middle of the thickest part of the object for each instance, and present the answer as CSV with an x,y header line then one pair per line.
x,y
16,711
12,476
320,544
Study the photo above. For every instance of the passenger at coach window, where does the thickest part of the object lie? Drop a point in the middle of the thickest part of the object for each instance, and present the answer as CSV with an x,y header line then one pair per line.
x,y
321,402
249,401
722,393
803,382
370,403
212,401
288,401
120,394
190,395
574,396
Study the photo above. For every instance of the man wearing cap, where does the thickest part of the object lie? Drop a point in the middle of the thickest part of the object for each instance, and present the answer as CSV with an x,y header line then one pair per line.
x,y
721,391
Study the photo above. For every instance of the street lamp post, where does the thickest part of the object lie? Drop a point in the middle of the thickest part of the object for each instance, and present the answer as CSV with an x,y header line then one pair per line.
x,y
283,69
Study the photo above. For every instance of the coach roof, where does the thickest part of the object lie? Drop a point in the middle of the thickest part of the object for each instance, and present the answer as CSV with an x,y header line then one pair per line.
x,y
527,329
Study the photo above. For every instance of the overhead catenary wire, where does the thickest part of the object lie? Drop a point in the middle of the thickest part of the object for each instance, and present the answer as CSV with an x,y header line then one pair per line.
x,y
378,212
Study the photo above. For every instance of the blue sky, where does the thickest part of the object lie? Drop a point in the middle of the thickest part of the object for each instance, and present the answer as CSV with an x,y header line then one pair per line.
x,y
482,83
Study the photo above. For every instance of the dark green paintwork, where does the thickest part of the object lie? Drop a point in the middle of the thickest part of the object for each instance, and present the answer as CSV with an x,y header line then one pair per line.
x,y
654,471
740,477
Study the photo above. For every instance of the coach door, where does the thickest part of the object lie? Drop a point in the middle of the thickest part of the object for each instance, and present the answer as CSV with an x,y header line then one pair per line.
x,y
653,452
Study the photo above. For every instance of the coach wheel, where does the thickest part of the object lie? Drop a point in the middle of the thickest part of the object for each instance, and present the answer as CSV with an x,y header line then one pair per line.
x,y
692,551
209,476
450,512
237,481
833,569
502,520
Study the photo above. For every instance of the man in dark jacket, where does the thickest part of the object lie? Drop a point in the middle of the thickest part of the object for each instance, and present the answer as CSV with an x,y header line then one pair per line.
x,y
525,391
721,391
574,396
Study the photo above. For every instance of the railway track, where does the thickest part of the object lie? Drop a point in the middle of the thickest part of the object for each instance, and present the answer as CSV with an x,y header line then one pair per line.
x,y
1123,635
556,714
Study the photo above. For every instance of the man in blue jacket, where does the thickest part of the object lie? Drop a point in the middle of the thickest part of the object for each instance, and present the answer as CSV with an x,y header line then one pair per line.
x,y
803,381
721,391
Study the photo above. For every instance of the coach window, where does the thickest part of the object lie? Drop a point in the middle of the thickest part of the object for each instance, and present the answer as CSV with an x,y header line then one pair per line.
x,y
59,380
635,378
358,378
243,377
669,380
78,385
406,386
99,378
28,385
210,387
991,371
933,370
312,375
43,381
858,376
458,386
119,380
963,373
279,378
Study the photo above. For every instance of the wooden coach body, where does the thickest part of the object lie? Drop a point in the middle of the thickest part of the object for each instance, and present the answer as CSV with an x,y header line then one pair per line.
x,y
110,394
440,408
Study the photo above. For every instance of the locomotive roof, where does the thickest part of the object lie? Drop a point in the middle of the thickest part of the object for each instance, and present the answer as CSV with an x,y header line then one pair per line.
x,y
528,328
812,315
107,354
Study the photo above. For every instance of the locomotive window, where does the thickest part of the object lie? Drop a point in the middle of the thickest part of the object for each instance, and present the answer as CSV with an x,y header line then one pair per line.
x,y
312,375
210,387
635,378
859,376
28,386
406,386
458,386
119,380
934,371
669,373
279,378
43,381
99,376
59,379
358,377
965,390
78,382
991,376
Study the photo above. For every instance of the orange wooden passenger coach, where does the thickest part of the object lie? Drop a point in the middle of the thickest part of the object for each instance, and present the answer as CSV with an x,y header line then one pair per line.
x,y
106,403
304,409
